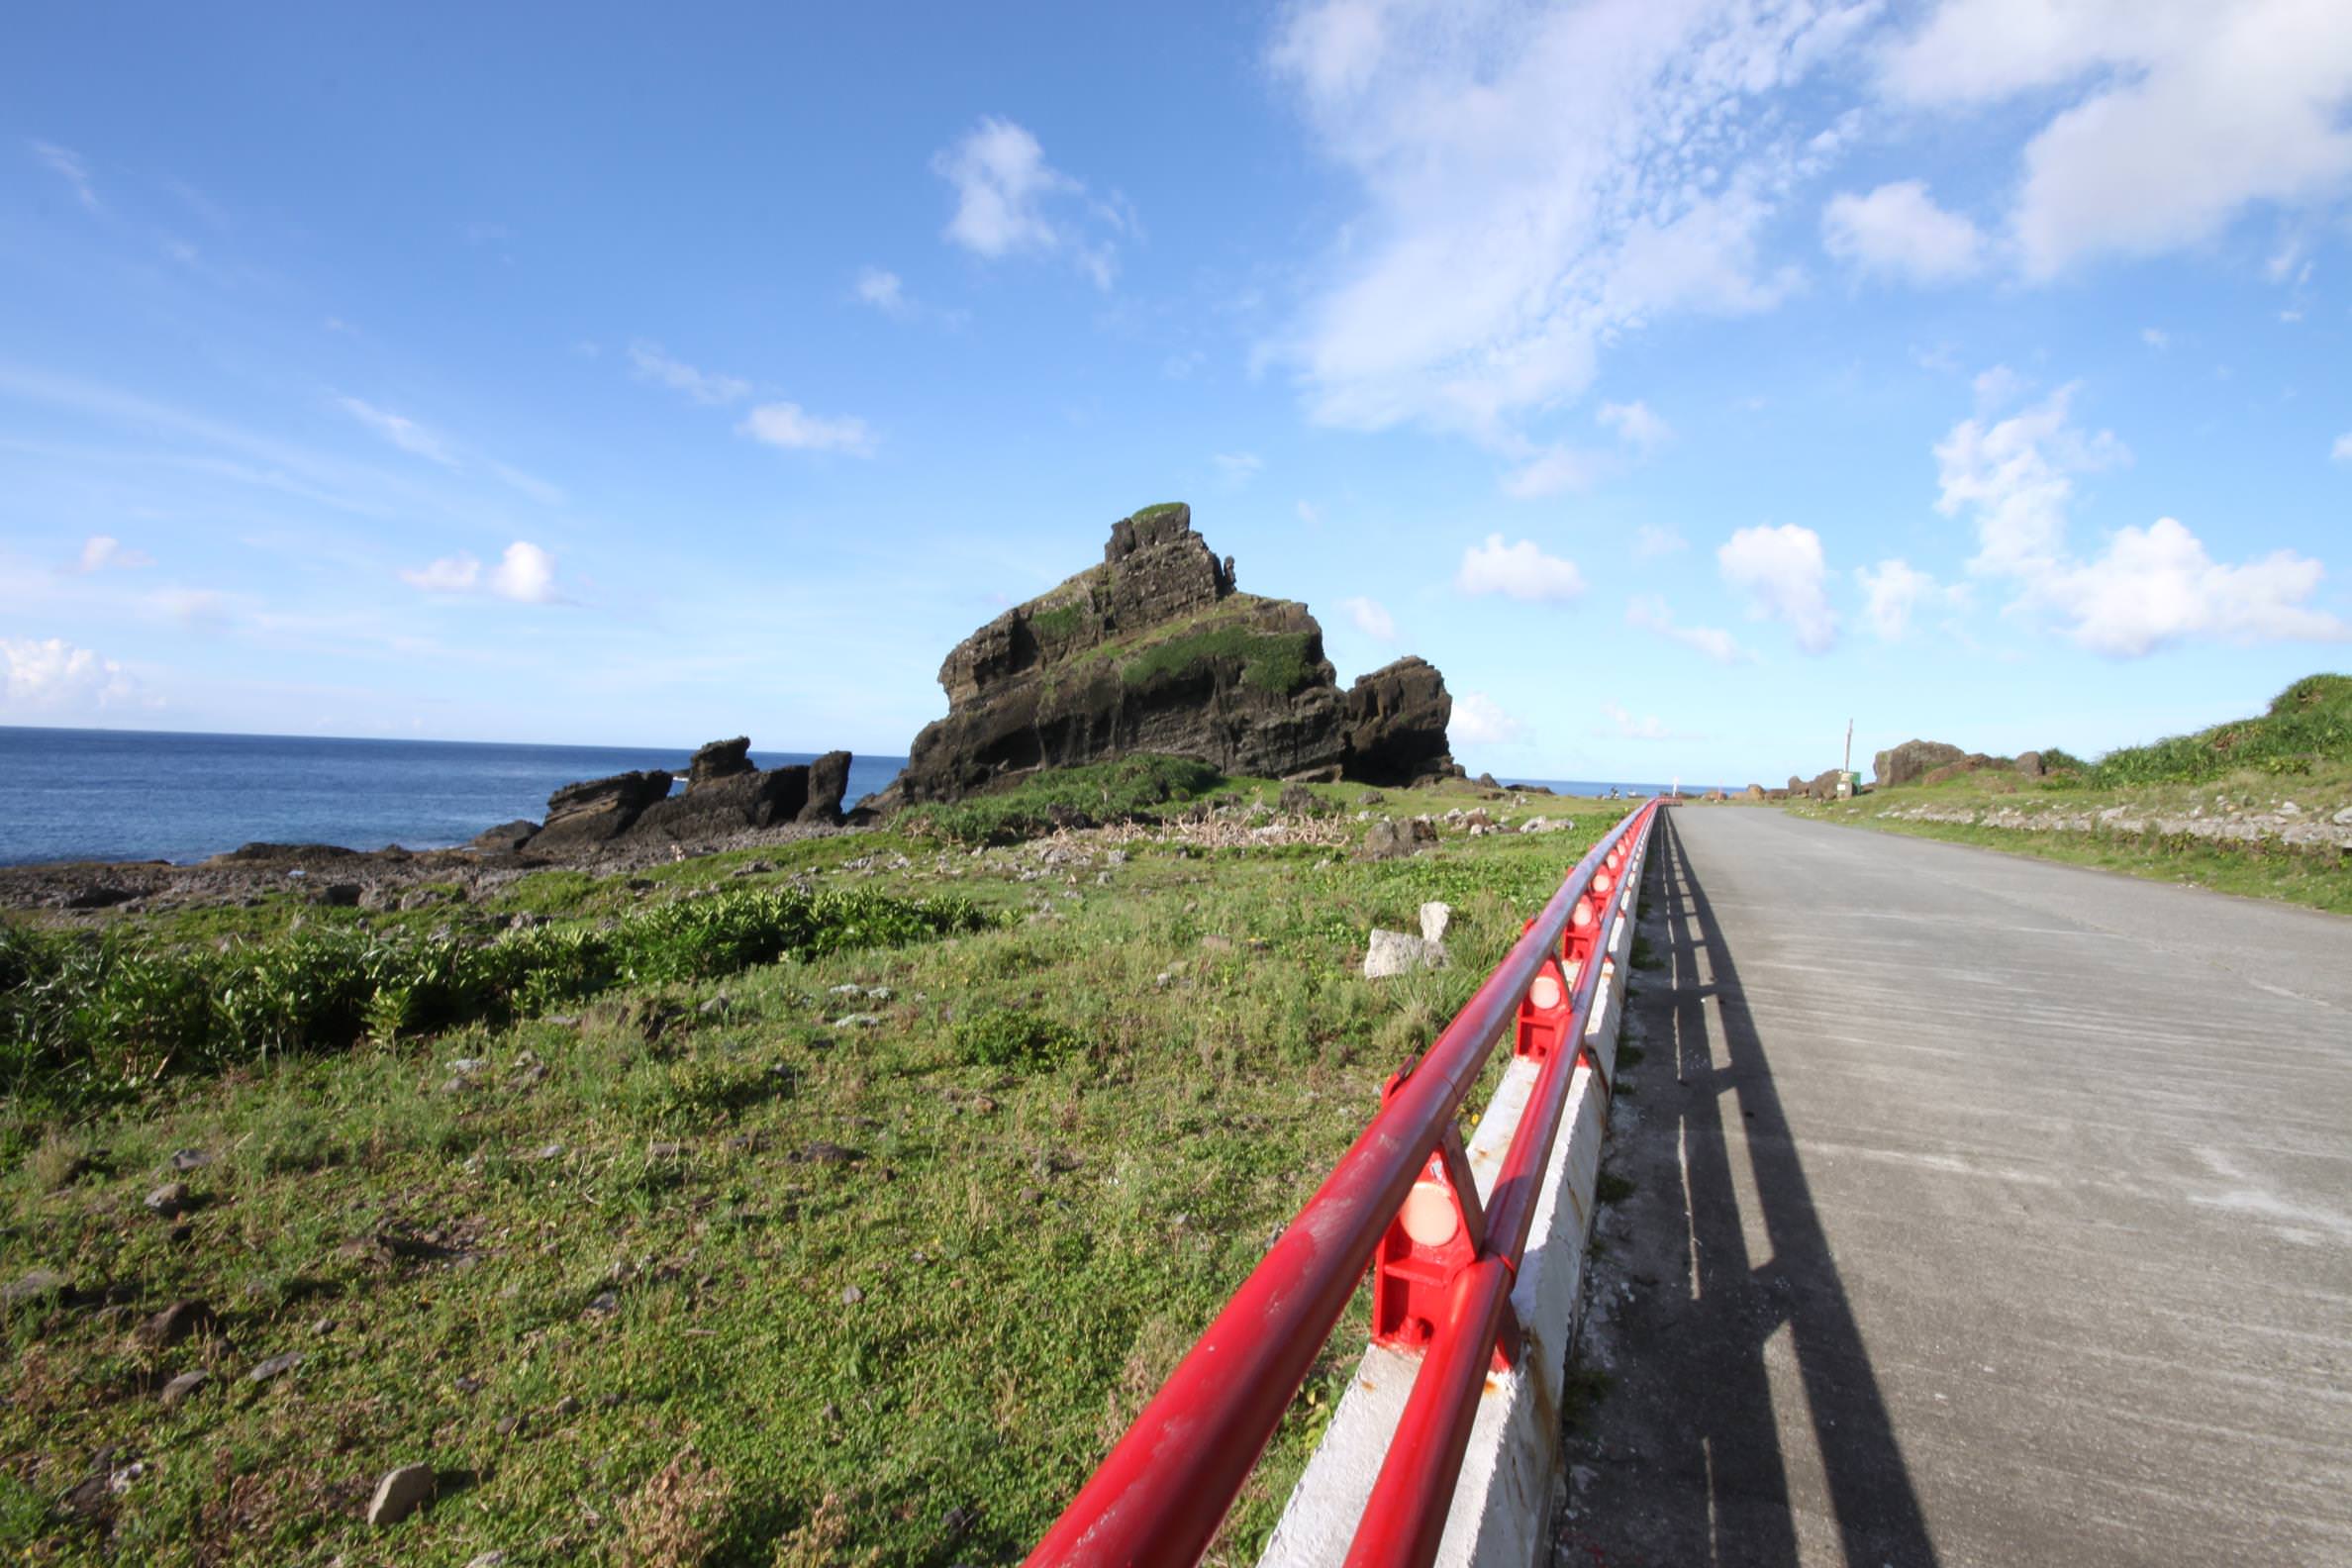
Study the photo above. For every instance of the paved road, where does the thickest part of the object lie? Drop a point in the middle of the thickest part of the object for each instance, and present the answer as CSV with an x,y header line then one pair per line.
x,y
1986,1212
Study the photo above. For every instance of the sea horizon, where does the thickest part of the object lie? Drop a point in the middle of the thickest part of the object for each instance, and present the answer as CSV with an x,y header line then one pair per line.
x,y
186,795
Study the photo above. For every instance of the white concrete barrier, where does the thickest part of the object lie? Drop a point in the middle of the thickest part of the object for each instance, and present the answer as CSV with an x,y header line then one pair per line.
x,y
1503,1502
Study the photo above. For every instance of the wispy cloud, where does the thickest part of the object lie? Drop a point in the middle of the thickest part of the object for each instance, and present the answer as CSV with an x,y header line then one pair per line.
x,y
1635,424
1650,614
103,552
1238,469
1371,617
1783,572
68,166
1651,540
524,574
1009,200
884,291
1479,720
793,427
703,386
2151,587
1625,727
402,432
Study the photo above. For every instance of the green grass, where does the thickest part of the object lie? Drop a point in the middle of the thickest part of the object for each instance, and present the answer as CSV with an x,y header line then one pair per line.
x,y
1271,661
2307,726
1129,789
597,1277
91,1013
1058,623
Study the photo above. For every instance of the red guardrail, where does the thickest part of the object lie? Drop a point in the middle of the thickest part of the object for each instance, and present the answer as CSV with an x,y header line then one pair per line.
x,y
1400,1199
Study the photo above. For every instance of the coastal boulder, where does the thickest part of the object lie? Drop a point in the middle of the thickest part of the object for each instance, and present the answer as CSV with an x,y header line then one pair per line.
x,y
1907,763
724,806
829,781
598,811
506,838
1157,651
719,759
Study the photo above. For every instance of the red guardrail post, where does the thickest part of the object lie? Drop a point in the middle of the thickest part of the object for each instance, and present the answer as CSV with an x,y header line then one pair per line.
x,y
1160,1493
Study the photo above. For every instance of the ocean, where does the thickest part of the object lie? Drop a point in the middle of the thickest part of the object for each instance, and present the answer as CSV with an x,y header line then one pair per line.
x,y
136,795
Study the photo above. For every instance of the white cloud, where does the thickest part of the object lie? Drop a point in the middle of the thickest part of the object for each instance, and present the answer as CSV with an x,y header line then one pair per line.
x,y
2341,452
1310,514
67,164
1998,387
1628,727
701,385
101,552
1536,180
1651,540
1238,469
884,291
1897,232
2012,475
449,574
1650,615
54,676
789,426
1554,469
529,485
2150,587
1892,591
1635,425
1518,572
2157,585
2181,113
1478,720
1782,571
1371,617
403,433
524,574
1009,200
2156,338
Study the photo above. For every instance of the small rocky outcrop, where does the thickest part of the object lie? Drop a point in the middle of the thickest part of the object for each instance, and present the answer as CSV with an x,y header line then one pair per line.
x,y
1908,762
598,811
1158,650
719,759
725,794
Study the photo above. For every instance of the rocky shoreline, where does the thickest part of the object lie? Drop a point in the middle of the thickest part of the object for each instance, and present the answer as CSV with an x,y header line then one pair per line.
x,y
608,826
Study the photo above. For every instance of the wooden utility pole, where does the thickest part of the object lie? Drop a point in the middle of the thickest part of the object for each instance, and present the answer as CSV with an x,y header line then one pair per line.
x,y
1849,761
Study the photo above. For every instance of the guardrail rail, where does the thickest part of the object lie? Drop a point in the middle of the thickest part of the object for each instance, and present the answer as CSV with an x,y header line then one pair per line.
x,y
1402,1201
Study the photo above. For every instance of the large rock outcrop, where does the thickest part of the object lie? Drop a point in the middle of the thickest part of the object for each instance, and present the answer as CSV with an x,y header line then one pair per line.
x,y
1156,649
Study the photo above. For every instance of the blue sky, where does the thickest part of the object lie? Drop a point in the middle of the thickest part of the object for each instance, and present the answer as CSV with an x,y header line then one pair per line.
x,y
1682,377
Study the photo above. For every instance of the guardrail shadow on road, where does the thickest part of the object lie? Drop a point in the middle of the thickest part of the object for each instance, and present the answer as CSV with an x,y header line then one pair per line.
x,y
1694,1403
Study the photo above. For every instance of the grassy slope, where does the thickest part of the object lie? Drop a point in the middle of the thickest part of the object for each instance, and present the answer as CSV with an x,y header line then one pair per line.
x,y
641,1353
2299,750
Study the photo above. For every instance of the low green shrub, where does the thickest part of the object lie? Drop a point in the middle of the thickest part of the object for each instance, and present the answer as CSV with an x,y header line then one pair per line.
x,y
1128,790
89,1011
1014,1037
2307,724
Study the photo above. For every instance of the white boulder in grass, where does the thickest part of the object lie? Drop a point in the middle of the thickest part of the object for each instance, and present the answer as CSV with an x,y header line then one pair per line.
x,y
1401,952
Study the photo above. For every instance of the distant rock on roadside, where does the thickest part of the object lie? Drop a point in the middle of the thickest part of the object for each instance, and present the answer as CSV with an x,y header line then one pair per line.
x,y
1907,763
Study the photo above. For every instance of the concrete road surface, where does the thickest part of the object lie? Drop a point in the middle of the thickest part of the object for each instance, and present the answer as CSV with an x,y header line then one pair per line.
x,y
1985,1211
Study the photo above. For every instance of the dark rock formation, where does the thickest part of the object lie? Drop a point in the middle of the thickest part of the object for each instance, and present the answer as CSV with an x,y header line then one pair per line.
x,y
1910,762
725,794
598,811
506,838
1157,651
719,759
1974,762
727,805
828,780
2030,765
